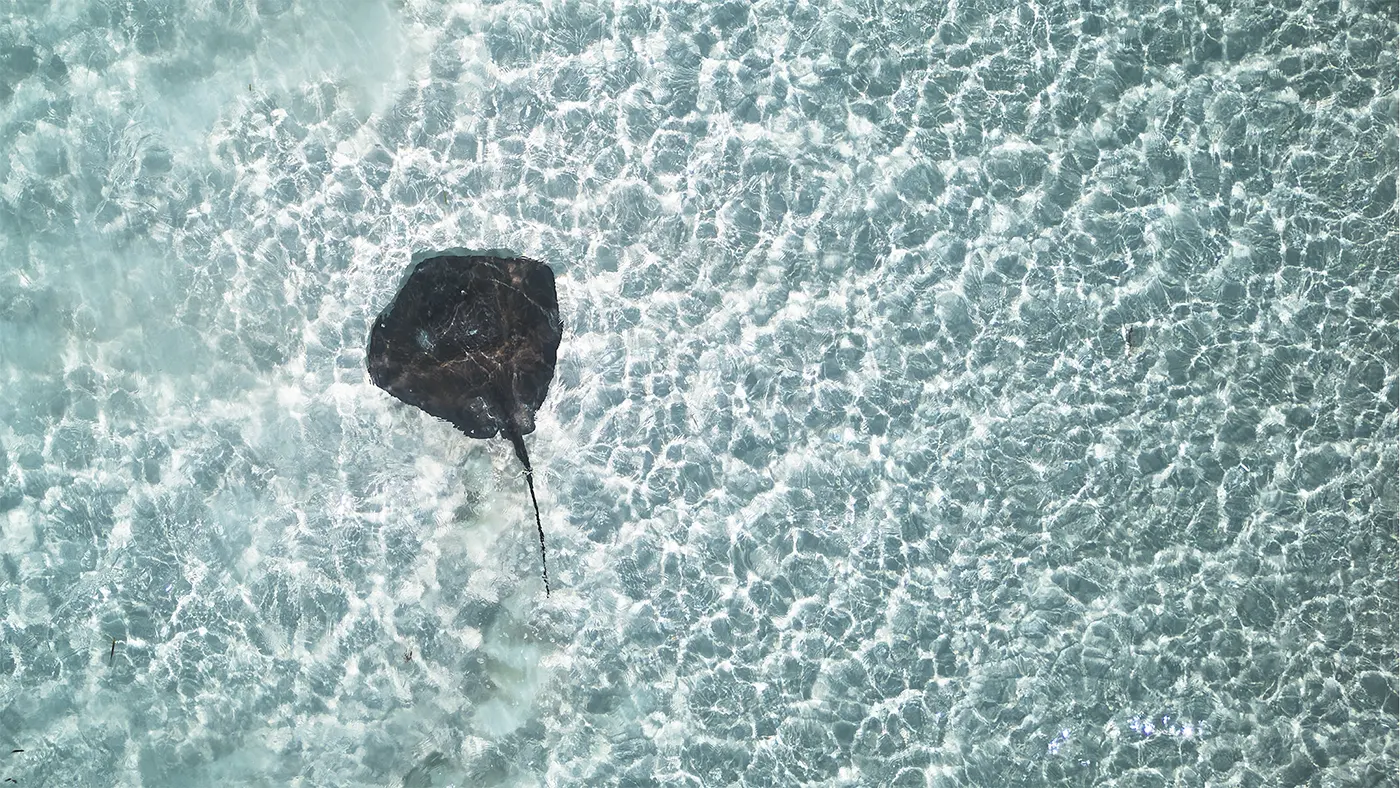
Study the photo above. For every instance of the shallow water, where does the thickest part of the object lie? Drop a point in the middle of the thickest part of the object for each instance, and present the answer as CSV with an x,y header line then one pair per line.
x,y
981,394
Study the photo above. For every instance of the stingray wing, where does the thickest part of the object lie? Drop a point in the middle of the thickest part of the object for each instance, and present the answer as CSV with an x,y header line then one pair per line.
x,y
472,340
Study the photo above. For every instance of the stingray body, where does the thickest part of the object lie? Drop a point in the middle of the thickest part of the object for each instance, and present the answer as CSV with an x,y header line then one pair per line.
x,y
473,340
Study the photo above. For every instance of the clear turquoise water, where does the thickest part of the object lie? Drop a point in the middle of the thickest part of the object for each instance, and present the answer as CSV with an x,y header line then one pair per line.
x,y
958,395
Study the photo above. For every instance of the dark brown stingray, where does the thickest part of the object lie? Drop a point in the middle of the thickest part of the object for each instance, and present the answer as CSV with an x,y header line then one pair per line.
x,y
473,340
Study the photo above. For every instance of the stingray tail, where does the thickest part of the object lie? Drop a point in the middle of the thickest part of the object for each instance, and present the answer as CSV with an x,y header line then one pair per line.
x,y
518,441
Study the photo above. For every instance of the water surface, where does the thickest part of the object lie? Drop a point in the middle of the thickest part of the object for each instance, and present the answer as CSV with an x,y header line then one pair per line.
x,y
953,394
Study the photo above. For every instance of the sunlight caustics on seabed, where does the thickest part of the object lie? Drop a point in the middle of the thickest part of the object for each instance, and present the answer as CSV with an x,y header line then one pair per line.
x,y
952,394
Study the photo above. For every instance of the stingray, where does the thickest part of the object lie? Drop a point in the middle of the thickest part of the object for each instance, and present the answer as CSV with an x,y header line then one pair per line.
x,y
473,341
